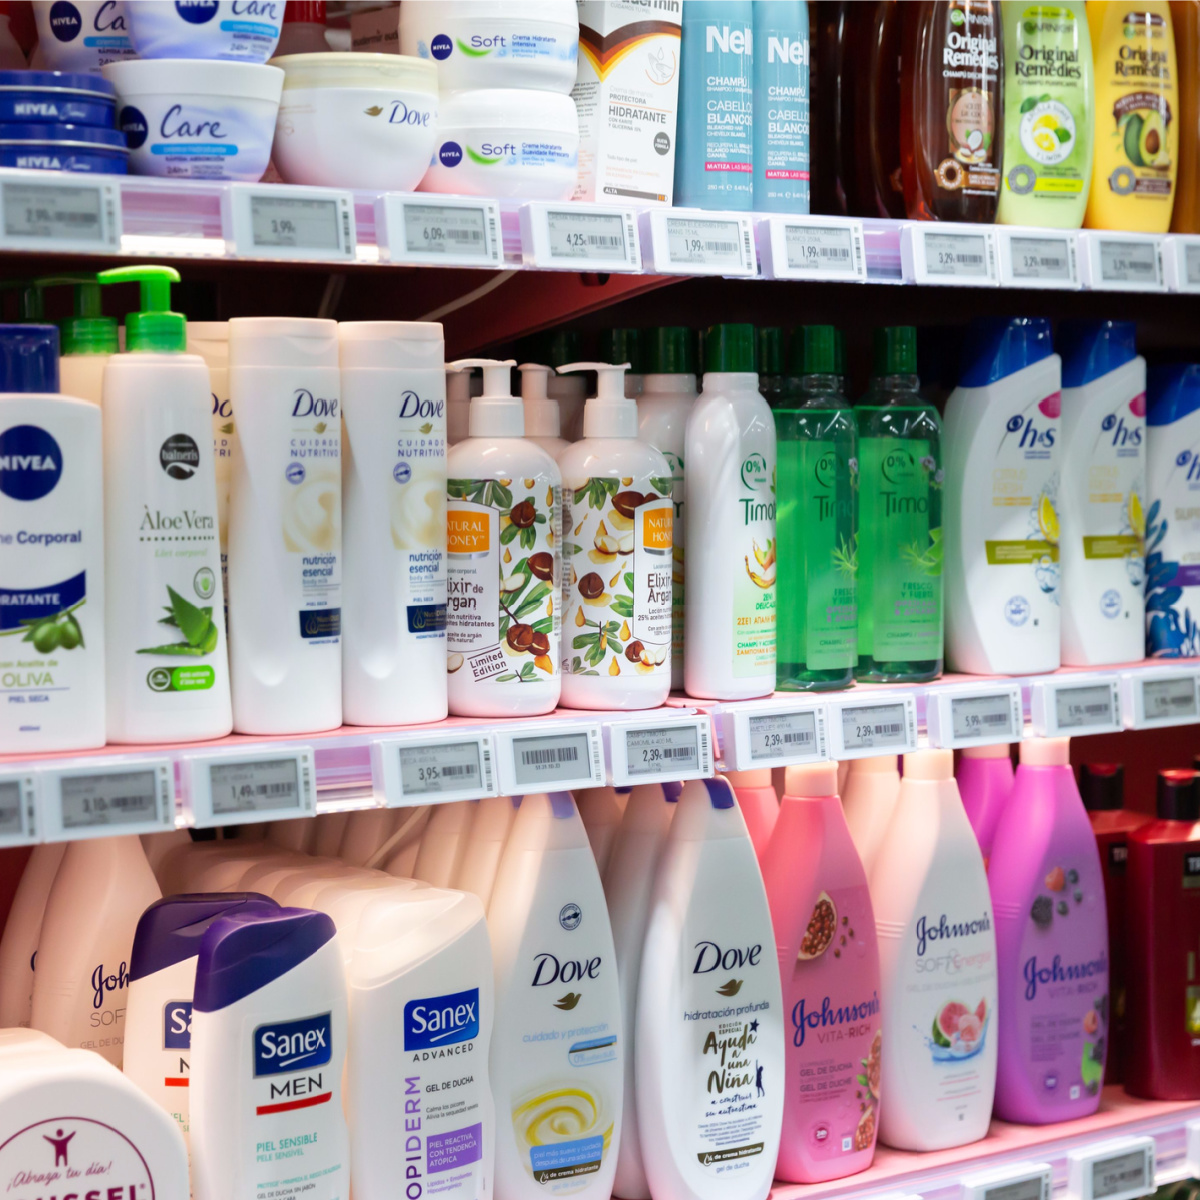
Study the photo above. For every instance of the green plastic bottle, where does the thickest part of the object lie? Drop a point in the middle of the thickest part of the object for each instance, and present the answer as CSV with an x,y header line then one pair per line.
x,y
771,378
815,518
899,519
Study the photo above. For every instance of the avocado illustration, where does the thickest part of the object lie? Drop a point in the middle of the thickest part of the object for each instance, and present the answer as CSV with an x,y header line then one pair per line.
x,y
1133,139
1152,143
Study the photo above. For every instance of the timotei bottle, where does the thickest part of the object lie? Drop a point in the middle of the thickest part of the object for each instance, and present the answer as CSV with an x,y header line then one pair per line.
x,y
815,521
985,782
781,107
899,519
869,795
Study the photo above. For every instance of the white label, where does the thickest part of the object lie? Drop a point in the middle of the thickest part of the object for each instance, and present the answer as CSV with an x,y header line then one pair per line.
x,y
292,222
444,230
1084,707
18,808
651,752
824,250
1129,262
780,735
721,245
876,727
128,796
958,255
1120,1169
1042,259
587,236
983,718
1120,1175
542,763
240,787
450,767
66,1146
1169,699
65,216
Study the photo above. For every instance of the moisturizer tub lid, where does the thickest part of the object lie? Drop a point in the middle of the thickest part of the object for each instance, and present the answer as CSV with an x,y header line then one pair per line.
x,y
63,135
56,81
507,109
172,78
358,70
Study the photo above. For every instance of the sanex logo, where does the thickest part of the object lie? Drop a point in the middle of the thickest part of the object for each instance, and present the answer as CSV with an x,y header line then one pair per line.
x,y
177,1025
441,1020
286,1046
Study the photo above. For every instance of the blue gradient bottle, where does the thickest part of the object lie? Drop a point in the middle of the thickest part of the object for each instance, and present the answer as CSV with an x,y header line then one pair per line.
x,y
781,105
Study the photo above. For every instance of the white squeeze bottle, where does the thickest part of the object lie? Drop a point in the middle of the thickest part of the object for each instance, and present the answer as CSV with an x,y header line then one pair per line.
x,y
504,532
51,553
709,1036
1000,446
556,1044
89,338
165,655
628,883
729,488
600,810
458,404
543,423
268,1050
937,965
444,843
869,795
285,526
485,843
1102,544
22,930
394,500
366,831
81,980
617,539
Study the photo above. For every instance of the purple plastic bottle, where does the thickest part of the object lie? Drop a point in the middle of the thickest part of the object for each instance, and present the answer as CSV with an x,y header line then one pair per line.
x,y
985,781
1051,944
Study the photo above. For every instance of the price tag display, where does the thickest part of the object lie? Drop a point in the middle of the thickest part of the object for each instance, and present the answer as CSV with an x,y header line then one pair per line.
x,y
700,244
974,718
813,248
1160,700
45,212
580,237
233,787
934,254
778,735
1121,262
1121,1169
414,768
666,748
271,221
881,727
1021,1181
101,796
444,231
1086,704
1181,263
1038,260
766,733
554,759
18,807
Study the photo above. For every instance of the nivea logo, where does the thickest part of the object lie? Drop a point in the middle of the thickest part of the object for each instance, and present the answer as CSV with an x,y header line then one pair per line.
x,y
293,1045
39,162
787,50
177,1025
441,1020
134,126
175,125
450,154
942,930
65,21
728,41
804,1018
548,969
411,405
441,46
401,114
1036,976
110,981
1032,437
308,405
197,12
30,462
710,957
1123,435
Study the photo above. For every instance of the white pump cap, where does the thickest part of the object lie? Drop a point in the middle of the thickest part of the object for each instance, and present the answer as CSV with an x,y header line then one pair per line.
x,y
542,418
497,413
609,413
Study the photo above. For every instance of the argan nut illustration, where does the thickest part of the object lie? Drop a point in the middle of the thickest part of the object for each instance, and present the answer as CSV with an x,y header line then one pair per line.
x,y
591,585
633,651
626,502
542,565
514,582
520,637
540,644
523,515
454,660
529,484
625,545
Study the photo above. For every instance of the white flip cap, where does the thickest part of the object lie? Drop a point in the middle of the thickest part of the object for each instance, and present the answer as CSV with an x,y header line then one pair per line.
x,y
542,418
497,413
609,413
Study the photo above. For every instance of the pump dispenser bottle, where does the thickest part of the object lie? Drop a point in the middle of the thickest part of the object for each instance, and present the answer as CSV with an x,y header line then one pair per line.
x,y
617,538
168,676
89,338
458,405
504,524
543,423
210,340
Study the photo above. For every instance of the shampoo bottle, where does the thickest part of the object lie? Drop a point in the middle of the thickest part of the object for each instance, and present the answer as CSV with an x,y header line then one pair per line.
x,y
869,796
710,1072
781,158
729,627
89,339
985,782
167,675
759,802
829,960
616,572
1051,944
22,930
504,520
394,498
543,423
932,908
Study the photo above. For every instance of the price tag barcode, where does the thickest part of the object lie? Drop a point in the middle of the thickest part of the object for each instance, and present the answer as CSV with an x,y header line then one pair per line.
x,y
708,244
1079,707
254,786
539,758
292,222
552,760
411,768
586,236
974,718
1160,700
95,797
1122,262
580,237
812,248
1091,704
223,787
1038,260
446,231
668,749
864,729
18,808
946,256
1181,263
1121,1169
1191,259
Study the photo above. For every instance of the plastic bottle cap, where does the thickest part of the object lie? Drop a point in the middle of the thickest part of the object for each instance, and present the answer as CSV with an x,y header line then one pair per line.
x,y
496,413
1102,786
1046,752
169,931
1177,796
88,331
999,750
390,345
929,764
720,793
730,348
1094,348
554,347
770,351
840,351
1172,393
622,345
562,805
760,777
894,350
814,350
28,358
669,350
292,342
998,347
878,764
154,328
609,413
811,779
458,386
542,418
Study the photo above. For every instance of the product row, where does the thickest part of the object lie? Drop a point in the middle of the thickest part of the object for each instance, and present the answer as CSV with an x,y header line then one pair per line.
x,y
544,989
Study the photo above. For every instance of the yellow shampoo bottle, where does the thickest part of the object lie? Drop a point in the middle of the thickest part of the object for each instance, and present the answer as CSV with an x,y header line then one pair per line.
x,y
1137,116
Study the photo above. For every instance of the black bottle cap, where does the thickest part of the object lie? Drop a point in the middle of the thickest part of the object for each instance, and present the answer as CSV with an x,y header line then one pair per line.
x,y
1102,786
1177,796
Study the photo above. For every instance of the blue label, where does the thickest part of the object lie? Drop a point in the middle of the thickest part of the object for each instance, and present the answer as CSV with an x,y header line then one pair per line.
x,y
293,1045
426,618
564,1159
196,12
177,1025
450,154
440,47
134,125
65,21
18,605
441,1020
321,623
30,462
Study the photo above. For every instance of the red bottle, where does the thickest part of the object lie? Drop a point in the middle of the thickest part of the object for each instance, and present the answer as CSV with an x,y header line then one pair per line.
x,y
1162,1048
1102,786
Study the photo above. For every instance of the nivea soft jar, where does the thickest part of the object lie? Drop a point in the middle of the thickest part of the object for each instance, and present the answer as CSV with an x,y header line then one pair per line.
x,y
62,97
232,30
187,119
505,143
63,148
483,44
356,120
81,35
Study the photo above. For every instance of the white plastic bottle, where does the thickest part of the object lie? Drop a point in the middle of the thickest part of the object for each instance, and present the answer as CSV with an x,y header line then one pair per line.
x,y
601,810
709,1037
504,532
285,526
162,974
668,394
937,966
394,497
268,1049
729,485
617,539
80,983
869,794
458,405
51,553
556,1044
1000,449
1100,509
421,1009
444,843
165,656
18,946
543,423
485,843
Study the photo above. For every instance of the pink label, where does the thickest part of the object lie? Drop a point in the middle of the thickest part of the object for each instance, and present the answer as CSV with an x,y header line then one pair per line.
x,y
73,1156
728,166
775,174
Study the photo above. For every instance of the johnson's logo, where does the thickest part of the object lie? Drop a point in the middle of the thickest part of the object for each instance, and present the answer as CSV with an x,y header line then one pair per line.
x,y
293,1045
441,1020
711,957
177,1025
111,981
804,1018
1056,972
30,462
942,930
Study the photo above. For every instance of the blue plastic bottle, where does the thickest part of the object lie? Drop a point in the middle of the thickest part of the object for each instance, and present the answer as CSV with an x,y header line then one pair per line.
x,y
714,160
781,157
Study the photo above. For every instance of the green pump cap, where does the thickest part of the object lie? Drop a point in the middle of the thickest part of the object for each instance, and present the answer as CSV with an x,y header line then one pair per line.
x,y
895,350
89,331
770,350
154,327
840,351
669,350
730,348
814,350
622,345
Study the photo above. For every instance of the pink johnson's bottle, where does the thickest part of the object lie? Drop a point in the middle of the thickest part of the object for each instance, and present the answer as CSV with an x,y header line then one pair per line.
x,y
1051,942
829,959
869,796
985,781
759,802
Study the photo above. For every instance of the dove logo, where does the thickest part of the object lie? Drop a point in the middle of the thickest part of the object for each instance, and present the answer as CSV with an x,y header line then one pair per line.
x,y
710,957
441,1020
548,969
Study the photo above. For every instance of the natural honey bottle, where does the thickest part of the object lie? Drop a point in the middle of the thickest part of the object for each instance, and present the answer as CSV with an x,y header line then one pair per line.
x,y
951,109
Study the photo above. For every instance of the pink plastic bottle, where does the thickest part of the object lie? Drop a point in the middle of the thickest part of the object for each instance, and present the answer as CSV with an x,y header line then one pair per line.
x,y
869,797
829,959
759,802
985,782
1051,944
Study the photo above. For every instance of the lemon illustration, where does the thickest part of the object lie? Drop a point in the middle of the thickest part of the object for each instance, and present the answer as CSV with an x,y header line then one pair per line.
x,y
1048,520
1046,121
1044,140
1137,517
